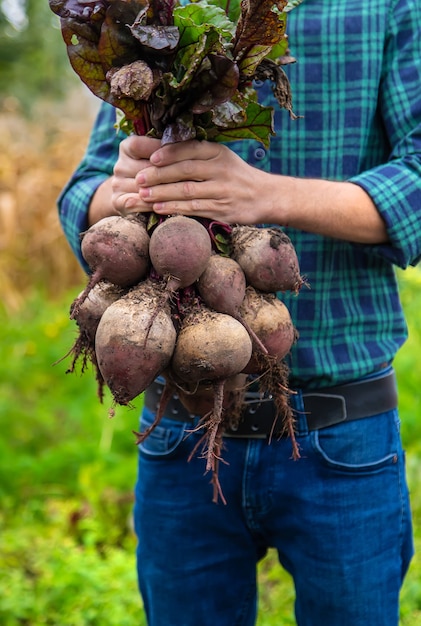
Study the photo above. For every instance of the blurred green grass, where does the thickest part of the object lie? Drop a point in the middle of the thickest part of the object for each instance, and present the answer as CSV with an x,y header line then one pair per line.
x,y
67,471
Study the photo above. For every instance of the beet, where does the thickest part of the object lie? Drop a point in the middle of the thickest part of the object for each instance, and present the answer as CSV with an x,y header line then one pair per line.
x,y
180,248
269,318
267,257
117,249
99,298
210,346
198,399
271,321
88,315
222,285
134,341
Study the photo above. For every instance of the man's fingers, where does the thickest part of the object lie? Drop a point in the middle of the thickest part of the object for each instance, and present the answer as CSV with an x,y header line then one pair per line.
x,y
183,172
137,147
182,191
185,151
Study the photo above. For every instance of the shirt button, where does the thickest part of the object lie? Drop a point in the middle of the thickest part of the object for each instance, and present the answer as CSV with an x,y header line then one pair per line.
x,y
259,154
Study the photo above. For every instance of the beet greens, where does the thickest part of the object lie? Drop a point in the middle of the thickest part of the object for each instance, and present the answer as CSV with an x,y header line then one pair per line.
x,y
181,72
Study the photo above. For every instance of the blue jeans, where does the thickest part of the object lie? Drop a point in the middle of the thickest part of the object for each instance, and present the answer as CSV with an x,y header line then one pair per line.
x,y
339,518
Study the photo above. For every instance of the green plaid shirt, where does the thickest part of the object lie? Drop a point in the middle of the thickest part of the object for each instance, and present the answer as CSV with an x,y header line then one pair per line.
x,y
357,84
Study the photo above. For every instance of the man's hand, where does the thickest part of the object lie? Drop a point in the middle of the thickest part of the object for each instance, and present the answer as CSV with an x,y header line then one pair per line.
x,y
119,195
203,179
133,157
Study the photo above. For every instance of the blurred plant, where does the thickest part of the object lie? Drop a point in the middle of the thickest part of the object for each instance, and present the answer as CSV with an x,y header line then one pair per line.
x,y
36,161
46,579
33,63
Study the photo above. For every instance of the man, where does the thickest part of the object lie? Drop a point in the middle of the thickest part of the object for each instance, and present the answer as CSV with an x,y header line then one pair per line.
x,y
344,181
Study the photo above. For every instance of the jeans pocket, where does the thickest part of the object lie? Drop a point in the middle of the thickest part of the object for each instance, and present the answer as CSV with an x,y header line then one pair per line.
x,y
362,445
164,440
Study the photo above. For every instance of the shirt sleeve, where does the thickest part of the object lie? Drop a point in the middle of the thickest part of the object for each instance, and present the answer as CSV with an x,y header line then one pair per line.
x,y
395,187
96,166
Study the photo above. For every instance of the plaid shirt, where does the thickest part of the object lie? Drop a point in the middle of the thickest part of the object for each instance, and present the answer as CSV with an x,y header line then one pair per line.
x,y
357,84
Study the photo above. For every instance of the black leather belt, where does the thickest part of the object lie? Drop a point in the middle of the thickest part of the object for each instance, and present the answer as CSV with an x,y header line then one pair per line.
x,y
321,408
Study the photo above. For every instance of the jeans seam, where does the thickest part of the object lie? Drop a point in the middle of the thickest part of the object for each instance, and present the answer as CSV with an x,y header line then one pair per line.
x,y
405,510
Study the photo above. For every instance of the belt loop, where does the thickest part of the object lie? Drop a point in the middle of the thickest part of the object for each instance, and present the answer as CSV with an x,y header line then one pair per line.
x,y
297,404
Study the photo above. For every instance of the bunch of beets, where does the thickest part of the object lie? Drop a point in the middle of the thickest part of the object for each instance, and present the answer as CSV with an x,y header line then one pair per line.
x,y
195,302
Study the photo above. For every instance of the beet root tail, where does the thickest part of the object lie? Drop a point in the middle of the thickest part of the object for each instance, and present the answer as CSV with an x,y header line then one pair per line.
x,y
211,441
165,398
77,303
